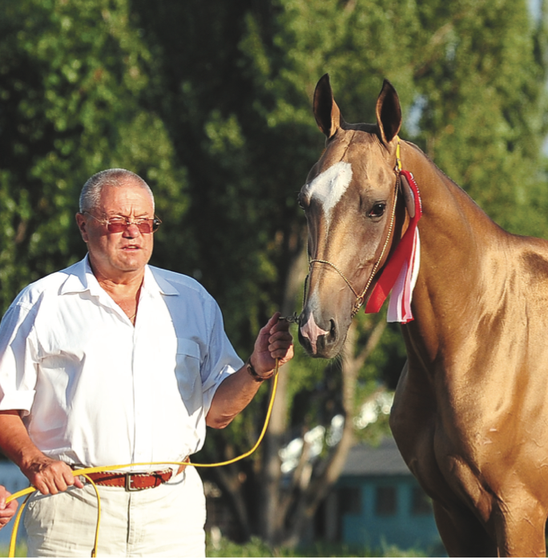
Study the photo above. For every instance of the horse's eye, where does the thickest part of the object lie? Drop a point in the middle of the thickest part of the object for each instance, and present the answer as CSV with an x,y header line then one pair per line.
x,y
378,210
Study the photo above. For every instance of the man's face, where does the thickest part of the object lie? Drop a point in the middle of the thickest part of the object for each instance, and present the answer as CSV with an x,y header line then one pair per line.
x,y
115,256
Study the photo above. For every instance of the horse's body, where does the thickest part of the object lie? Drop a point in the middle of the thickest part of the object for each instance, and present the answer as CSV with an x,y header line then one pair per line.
x,y
470,415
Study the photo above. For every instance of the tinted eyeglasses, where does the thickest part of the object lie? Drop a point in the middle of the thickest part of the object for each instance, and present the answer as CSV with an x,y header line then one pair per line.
x,y
119,224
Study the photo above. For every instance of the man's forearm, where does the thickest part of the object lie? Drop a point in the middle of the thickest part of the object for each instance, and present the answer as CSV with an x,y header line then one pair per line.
x,y
232,396
14,439
273,347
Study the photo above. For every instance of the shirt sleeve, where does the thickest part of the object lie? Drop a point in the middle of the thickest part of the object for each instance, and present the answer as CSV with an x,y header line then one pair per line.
x,y
220,361
18,366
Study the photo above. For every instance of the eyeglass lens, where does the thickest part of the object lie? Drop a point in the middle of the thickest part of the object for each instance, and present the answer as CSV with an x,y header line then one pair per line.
x,y
145,226
118,225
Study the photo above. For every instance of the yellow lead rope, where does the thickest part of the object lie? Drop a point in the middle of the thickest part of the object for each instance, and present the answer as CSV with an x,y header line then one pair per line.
x,y
85,472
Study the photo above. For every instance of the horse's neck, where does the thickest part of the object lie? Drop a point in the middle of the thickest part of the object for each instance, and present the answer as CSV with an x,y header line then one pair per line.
x,y
457,238
443,200
449,214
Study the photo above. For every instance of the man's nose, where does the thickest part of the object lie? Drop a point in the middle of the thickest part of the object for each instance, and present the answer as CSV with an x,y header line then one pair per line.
x,y
131,231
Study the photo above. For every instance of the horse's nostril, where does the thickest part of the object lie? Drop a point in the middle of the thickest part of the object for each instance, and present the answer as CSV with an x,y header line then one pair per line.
x,y
333,329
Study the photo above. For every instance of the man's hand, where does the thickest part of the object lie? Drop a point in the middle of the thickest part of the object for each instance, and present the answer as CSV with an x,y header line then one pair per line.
x,y
6,511
274,342
48,475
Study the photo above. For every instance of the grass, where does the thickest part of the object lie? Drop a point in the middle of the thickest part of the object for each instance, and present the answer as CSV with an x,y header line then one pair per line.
x,y
20,550
256,548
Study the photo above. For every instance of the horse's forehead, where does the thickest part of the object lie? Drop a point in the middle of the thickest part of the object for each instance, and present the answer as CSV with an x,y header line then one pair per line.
x,y
355,147
332,175
329,186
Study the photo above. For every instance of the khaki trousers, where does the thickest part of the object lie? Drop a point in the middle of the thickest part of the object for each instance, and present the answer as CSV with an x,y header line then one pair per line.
x,y
167,521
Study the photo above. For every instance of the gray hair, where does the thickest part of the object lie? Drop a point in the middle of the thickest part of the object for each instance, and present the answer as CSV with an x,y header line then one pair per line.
x,y
117,177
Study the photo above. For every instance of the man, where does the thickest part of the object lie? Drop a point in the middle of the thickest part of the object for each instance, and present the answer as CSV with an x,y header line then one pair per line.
x,y
7,511
115,362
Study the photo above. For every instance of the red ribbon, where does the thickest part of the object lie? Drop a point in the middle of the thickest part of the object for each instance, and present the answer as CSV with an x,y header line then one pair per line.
x,y
401,257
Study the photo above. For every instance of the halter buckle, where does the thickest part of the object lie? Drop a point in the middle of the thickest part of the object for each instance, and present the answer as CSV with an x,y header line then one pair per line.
x,y
357,305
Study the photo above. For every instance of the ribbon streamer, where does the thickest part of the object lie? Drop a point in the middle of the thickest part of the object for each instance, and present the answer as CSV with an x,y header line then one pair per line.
x,y
401,271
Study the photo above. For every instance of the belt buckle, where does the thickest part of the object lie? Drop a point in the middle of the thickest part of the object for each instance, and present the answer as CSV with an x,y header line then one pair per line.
x,y
129,480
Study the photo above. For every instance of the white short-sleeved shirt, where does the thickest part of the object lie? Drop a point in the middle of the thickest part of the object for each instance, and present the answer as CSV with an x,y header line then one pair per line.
x,y
94,389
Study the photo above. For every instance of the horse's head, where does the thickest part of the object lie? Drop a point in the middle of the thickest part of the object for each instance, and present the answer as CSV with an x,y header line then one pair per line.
x,y
350,203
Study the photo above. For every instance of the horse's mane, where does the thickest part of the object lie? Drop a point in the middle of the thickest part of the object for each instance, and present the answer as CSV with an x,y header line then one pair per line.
x,y
431,161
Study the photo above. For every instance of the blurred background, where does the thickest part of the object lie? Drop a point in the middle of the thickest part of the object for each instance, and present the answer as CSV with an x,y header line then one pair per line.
x,y
210,102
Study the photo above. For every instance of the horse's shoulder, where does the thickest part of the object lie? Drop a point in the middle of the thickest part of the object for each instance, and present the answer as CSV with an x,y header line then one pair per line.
x,y
532,255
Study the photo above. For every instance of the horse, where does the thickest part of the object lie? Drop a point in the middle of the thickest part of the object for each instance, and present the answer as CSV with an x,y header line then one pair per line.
x,y
470,412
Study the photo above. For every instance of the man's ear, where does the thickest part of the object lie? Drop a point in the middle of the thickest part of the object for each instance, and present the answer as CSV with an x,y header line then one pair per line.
x,y
82,225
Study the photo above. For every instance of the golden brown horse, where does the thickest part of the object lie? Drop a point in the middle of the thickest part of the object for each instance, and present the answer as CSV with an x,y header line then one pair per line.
x,y
470,415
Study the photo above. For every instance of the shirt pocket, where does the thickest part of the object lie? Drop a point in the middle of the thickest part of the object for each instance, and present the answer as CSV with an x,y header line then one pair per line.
x,y
188,373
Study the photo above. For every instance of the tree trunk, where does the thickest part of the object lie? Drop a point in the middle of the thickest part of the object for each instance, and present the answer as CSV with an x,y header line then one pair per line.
x,y
270,521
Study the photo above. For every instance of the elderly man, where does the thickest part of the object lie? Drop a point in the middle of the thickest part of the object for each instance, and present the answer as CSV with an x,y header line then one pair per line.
x,y
110,362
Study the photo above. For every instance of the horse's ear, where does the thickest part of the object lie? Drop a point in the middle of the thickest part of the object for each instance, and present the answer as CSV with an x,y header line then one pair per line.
x,y
388,113
326,111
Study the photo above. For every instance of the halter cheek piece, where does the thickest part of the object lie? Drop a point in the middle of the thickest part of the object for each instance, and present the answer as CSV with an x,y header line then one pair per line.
x,y
401,185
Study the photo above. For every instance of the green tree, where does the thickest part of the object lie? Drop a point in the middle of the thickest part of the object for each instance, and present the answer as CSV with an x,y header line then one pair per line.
x,y
482,104
73,90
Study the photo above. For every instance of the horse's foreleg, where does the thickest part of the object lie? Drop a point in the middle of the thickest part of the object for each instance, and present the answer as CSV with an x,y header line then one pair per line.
x,y
520,529
462,534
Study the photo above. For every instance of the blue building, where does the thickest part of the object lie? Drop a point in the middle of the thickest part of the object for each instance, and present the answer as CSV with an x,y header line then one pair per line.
x,y
379,502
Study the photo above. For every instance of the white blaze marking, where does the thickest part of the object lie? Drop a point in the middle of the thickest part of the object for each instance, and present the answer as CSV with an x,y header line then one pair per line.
x,y
328,187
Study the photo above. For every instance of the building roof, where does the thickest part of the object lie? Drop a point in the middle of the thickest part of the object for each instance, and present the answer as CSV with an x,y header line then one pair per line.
x,y
382,460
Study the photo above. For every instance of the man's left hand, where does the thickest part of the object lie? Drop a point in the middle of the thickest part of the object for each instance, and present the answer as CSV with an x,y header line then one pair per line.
x,y
7,511
274,342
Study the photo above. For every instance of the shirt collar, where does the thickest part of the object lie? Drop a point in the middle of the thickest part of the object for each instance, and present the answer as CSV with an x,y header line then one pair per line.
x,y
80,278
154,282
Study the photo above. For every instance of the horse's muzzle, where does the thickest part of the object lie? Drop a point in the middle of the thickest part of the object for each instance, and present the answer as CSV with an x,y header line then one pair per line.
x,y
319,341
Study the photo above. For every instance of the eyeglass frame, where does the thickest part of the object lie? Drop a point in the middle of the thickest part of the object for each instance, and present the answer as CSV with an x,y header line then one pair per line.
x,y
156,222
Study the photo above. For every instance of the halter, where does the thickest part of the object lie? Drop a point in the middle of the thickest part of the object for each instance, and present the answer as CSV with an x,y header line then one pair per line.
x,y
360,297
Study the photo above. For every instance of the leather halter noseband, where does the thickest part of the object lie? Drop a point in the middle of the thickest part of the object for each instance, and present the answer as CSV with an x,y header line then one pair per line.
x,y
360,297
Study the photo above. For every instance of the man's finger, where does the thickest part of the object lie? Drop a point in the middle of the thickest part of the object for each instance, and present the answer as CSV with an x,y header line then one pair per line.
x,y
272,322
72,480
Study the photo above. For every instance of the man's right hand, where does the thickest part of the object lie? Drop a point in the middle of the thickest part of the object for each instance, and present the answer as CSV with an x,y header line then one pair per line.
x,y
48,475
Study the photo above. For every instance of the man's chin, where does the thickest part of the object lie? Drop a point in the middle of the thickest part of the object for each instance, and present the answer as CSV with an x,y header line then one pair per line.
x,y
119,267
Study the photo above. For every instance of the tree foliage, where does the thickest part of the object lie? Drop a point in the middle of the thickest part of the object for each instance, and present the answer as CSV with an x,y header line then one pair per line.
x,y
73,88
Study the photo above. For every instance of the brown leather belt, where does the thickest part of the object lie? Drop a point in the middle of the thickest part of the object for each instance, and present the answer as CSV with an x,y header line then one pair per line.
x,y
134,481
